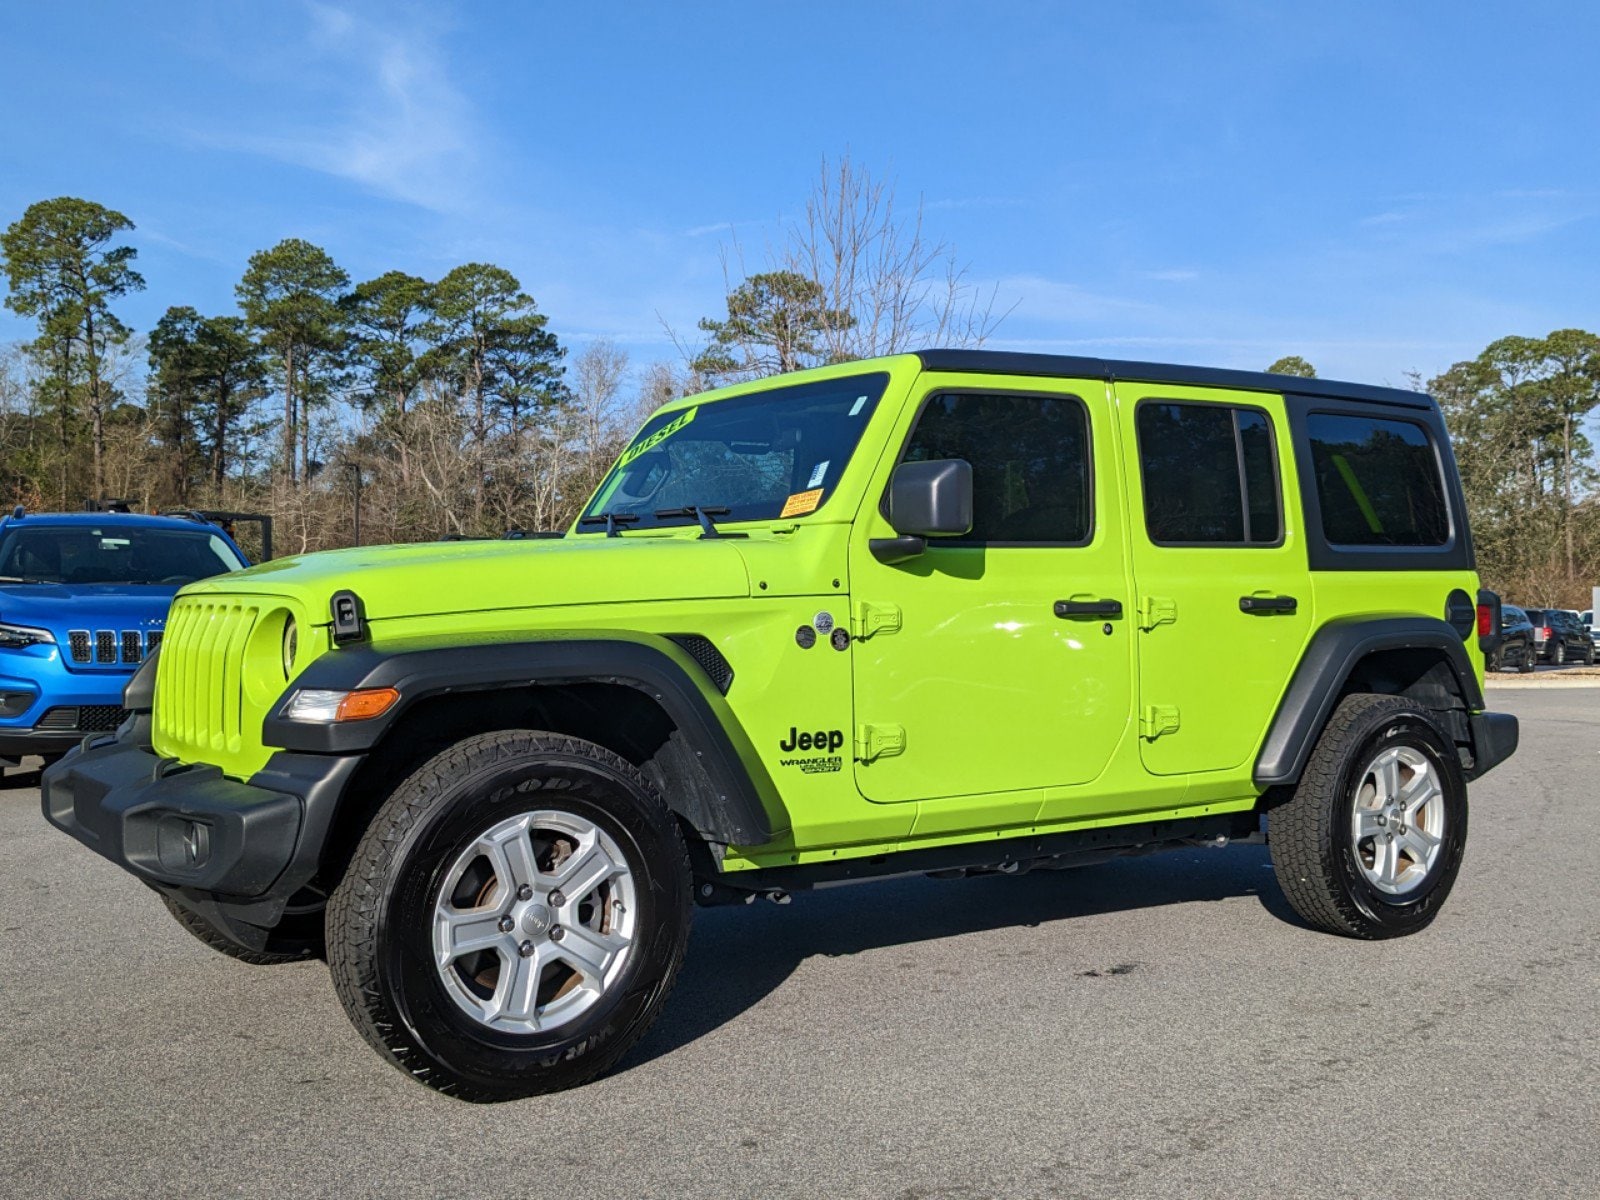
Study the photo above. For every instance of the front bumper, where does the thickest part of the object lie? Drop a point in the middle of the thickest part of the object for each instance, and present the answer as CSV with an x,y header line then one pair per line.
x,y
250,845
18,742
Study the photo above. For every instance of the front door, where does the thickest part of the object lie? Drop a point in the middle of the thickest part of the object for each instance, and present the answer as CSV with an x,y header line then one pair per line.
x,y
1000,660
1223,602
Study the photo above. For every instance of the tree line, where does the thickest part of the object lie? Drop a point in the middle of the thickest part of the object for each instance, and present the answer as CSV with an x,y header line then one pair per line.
x,y
450,403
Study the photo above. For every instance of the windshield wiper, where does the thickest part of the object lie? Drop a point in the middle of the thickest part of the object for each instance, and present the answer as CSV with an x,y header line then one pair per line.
x,y
610,520
702,513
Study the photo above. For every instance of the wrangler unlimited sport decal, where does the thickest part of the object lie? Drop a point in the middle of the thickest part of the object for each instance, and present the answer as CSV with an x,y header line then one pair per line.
x,y
825,743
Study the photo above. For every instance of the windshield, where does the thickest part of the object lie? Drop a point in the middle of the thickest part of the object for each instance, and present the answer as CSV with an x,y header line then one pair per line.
x,y
771,455
112,554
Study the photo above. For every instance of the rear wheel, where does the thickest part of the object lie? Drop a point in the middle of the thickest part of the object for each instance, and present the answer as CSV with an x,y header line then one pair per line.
x,y
514,918
1372,839
1558,653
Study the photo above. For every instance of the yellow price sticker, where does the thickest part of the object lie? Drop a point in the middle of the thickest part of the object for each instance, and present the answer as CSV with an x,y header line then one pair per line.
x,y
799,504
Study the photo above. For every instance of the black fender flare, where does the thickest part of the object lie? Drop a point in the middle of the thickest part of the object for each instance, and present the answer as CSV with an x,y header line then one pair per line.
x,y
1329,658
742,807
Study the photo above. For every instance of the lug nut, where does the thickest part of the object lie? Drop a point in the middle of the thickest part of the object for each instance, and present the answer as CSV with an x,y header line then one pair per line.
x,y
557,933
526,949
557,899
507,924
524,892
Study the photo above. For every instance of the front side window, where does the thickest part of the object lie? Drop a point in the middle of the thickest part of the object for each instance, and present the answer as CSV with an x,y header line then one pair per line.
x,y
1210,474
769,455
1378,482
84,554
1030,464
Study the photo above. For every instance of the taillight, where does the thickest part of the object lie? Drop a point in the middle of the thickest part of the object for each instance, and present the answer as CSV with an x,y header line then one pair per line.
x,y
1545,633
1485,620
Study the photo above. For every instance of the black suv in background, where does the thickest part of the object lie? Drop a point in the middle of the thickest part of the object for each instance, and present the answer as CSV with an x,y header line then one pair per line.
x,y
1517,648
1560,636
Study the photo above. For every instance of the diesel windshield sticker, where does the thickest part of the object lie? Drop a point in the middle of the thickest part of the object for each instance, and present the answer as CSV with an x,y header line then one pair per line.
x,y
822,745
799,504
656,438
819,473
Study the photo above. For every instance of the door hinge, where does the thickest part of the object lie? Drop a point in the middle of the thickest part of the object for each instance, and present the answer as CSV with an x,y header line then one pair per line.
x,y
879,741
871,617
1157,610
1157,719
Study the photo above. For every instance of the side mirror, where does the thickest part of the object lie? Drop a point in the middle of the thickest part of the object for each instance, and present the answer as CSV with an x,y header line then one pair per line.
x,y
926,499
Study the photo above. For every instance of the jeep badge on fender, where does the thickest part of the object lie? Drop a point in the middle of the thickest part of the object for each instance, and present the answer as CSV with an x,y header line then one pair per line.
x,y
823,739
492,792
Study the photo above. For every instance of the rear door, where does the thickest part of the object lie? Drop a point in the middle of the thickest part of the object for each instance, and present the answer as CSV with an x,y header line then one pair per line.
x,y
1223,597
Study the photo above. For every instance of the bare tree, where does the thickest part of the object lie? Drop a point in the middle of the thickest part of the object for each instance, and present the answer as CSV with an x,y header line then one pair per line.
x,y
898,287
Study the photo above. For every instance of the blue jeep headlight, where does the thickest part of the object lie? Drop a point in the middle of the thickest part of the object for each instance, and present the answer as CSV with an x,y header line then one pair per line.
x,y
15,637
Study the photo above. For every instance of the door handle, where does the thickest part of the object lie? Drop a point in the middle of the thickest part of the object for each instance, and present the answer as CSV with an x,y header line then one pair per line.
x,y
1268,604
1088,608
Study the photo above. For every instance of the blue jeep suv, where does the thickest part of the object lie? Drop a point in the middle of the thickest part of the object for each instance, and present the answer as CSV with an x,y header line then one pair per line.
x,y
83,600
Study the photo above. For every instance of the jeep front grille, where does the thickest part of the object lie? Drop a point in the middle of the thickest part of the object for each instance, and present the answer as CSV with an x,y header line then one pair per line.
x,y
110,647
199,687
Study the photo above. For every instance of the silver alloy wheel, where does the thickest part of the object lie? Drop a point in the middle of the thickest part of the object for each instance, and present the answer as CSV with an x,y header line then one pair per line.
x,y
1397,826
534,921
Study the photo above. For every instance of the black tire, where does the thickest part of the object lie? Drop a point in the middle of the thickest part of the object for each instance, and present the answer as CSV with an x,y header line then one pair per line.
x,y
1311,839
1558,653
1528,662
295,940
1495,662
380,917
1588,655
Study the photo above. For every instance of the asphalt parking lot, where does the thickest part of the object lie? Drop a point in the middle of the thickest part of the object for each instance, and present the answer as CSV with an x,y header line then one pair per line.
x,y
1153,1027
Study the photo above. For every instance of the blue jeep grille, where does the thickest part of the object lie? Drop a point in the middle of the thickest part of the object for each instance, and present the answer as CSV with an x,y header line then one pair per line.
x,y
111,646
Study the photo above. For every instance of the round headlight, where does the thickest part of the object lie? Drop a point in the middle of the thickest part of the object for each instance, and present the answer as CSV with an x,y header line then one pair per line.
x,y
291,643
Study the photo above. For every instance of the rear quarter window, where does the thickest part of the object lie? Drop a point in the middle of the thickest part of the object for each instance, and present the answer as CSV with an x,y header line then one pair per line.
x,y
1378,481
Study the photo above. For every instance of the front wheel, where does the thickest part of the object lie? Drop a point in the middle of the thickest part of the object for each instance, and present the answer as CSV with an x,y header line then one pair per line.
x,y
514,918
1371,841
1528,661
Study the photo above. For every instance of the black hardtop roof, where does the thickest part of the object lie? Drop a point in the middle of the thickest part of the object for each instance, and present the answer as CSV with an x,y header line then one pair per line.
x,y
1070,366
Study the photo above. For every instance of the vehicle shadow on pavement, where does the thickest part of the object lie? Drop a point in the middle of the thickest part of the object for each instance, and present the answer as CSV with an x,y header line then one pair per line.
x,y
737,956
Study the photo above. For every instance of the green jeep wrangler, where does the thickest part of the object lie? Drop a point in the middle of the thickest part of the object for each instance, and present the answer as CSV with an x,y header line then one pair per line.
x,y
946,612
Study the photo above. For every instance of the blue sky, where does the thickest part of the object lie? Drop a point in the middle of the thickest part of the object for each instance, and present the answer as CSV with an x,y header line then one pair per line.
x,y
1380,187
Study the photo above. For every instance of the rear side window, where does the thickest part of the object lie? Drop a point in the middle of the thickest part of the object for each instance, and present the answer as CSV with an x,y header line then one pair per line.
x,y
1030,464
1210,475
1378,481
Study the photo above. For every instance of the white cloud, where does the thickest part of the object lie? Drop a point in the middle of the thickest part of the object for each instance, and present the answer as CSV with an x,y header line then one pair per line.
x,y
383,113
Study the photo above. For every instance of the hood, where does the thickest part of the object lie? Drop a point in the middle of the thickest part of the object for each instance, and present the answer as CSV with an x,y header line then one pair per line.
x,y
63,608
436,578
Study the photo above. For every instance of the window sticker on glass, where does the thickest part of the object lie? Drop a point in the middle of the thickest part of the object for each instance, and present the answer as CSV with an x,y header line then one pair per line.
x,y
799,504
656,438
855,409
818,474
113,543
